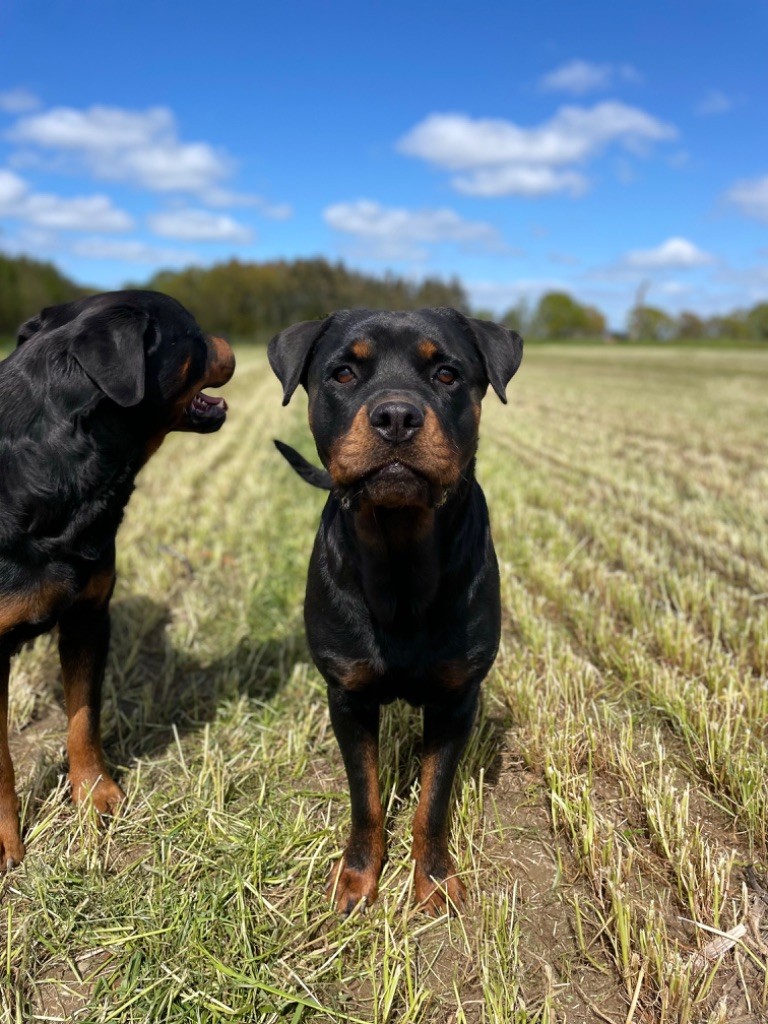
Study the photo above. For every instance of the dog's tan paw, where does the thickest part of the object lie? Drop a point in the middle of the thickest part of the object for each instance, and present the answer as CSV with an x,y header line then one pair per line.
x,y
434,896
349,887
98,787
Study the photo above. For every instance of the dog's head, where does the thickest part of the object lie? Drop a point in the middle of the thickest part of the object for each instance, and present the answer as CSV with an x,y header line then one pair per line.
x,y
394,397
142,350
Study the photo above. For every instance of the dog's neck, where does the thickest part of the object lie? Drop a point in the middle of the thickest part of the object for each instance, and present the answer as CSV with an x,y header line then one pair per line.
x,y
403,554
77,481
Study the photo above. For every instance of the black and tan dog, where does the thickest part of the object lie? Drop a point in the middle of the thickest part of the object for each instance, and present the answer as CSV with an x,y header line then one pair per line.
x,y
88,395
403,591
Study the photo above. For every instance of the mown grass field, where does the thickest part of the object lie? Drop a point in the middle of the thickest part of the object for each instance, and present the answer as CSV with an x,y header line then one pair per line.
x,y
614,793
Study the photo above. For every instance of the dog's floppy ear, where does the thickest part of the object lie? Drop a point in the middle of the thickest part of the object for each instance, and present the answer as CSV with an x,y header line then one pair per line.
x,y
501,352
109,346
32,326
290,350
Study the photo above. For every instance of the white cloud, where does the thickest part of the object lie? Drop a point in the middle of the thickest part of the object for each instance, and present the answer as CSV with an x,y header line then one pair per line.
x,y
81,213
138,147
275,211
751,197
675,252
141,148
131,250
582,76
12,188
199,226
44,210
674,288
499,157
97,129
169,167
18,101
714,102
458,142
225,197
395,233
28,240
566,259
520,180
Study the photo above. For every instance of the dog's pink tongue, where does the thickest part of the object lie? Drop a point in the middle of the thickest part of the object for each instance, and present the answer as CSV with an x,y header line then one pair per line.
x,y
209,400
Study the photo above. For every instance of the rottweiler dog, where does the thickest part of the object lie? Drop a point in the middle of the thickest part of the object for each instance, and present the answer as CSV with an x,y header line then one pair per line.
x,y
403,597
88,395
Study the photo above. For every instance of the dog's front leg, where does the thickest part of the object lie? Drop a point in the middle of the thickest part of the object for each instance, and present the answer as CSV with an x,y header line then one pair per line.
x,y
446,731
355,877
11,846
83,648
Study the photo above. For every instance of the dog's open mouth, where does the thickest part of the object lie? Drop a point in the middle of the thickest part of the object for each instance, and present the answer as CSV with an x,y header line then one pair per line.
x,y
206,412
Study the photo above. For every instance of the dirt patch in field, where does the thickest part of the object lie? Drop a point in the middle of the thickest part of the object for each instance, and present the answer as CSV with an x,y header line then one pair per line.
x,y
65,992
522,848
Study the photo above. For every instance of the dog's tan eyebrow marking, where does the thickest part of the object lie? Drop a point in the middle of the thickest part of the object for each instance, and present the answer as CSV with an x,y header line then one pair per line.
x,y
362,349
427,348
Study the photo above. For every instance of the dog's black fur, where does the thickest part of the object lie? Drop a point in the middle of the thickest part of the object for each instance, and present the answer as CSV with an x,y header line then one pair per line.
x,y
88,395
403,591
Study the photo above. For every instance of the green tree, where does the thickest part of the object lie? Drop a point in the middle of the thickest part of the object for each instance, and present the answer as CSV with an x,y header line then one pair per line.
x,y
647,323
757,321
27,286
728,326
258,299
518,317
558,316
689,326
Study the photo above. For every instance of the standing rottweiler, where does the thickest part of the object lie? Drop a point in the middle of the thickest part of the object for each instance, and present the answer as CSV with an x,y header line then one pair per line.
x,y
403,593
87,397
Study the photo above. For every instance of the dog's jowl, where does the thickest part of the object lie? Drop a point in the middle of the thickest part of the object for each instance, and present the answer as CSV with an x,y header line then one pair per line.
x,y
88,395
403,591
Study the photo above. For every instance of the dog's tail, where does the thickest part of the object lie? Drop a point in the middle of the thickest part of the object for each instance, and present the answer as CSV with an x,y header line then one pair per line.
x,y
317,477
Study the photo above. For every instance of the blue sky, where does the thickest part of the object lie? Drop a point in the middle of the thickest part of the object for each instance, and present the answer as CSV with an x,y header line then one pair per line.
x,y
590,147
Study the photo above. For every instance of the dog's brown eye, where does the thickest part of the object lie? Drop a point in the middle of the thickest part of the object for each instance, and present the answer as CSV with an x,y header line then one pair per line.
x,y
343,375
446,375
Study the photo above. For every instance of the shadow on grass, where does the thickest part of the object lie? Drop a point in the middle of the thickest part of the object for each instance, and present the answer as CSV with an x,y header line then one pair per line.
x,y
152,687
401,748
154,692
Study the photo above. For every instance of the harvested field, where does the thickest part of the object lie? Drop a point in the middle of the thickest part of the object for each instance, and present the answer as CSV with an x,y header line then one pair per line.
x,y
612,806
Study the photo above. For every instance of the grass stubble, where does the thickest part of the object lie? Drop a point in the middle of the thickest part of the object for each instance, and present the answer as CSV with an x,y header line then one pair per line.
x,y
613,796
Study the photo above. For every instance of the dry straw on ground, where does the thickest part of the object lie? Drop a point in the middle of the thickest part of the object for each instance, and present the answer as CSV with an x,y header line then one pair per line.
x,y
614,791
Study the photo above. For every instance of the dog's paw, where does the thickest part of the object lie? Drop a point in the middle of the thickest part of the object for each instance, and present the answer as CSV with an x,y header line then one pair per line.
x,y
11,847
436,895
349,887
98,787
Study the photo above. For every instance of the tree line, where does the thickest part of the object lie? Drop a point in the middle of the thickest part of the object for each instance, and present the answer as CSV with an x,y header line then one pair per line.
x,y
26,286
558,316
235,298
255,300
243,299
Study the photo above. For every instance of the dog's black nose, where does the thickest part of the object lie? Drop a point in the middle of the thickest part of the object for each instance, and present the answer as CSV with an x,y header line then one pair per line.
x,y
396,421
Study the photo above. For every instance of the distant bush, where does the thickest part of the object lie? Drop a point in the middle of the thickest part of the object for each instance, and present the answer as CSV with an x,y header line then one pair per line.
x,y
557,316
26,286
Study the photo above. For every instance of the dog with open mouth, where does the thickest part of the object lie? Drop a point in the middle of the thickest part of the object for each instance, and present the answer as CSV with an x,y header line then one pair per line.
x,y
403,596
90,393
